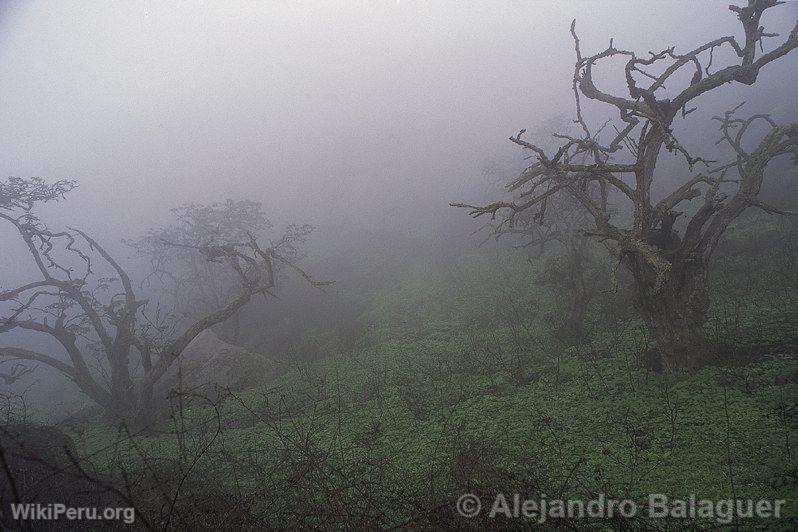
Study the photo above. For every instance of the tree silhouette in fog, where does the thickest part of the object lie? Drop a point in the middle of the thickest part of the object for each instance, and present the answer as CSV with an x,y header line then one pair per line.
x,y
668,262
98,317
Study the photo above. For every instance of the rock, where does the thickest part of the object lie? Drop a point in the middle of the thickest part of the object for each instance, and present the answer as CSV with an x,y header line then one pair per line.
x,y
34,442
40,468
210,362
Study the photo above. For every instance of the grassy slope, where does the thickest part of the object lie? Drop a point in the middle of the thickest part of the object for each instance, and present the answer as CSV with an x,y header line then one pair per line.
x,y
425,411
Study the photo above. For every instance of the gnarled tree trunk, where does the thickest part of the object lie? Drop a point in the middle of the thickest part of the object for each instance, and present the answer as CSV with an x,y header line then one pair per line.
x,y
675,309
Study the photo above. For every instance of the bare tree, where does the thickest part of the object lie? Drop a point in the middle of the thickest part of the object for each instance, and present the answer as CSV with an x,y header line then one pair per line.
x,y
562,250
669,267
558,243
99,321
193,285
573,269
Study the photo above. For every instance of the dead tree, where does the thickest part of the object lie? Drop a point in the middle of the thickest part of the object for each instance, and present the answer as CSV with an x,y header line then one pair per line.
x,y
669,265
101,324
189,284
560,246
573,270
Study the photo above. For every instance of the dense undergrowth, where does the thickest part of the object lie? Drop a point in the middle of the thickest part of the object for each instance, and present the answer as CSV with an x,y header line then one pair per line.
x,y
459,386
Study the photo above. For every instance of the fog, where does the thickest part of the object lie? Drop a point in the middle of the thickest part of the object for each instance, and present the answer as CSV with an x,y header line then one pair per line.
x,y
343,115
365,119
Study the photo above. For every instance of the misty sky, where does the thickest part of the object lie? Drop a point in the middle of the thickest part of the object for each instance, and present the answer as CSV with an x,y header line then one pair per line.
x,y
342,114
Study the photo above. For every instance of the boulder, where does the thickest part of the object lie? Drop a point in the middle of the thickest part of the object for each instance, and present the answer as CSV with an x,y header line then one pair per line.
x,y
209,362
